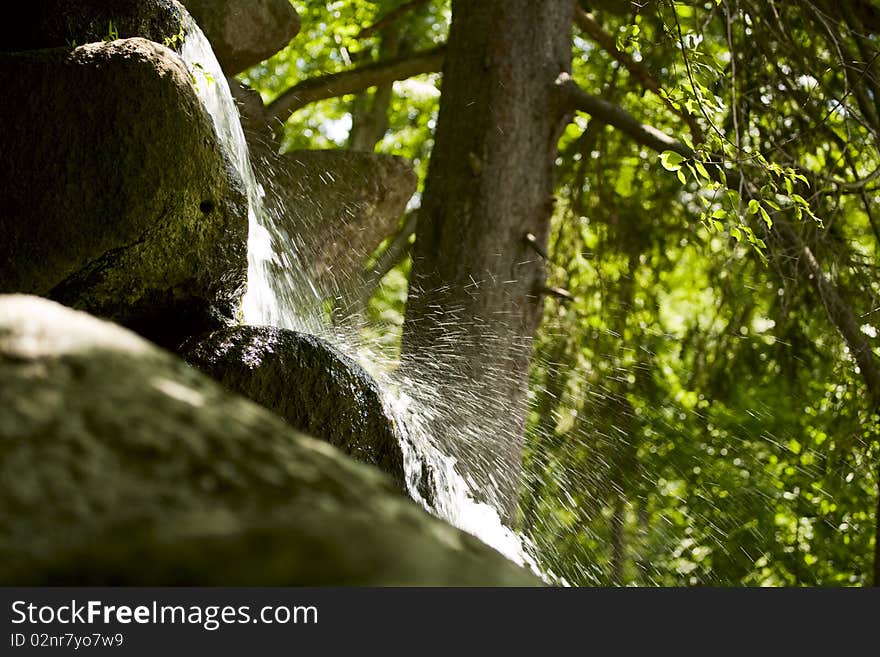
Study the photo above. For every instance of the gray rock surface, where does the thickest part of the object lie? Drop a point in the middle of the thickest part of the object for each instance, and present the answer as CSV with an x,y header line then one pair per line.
x,y
341,205
117,196
243,33
123,465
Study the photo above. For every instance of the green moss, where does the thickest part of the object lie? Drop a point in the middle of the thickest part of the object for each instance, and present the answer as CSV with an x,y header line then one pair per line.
x,y
123,465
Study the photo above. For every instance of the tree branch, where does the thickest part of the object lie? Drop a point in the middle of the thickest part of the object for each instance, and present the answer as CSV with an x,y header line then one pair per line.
x,y
354,81
359,79
391,17
597,33
837,309
575,98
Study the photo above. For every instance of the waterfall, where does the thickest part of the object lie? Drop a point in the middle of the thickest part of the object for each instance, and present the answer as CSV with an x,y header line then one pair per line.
x,y
280,294
260,305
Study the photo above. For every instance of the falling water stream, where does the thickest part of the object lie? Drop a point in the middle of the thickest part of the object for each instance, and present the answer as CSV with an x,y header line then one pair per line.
x,y
280,293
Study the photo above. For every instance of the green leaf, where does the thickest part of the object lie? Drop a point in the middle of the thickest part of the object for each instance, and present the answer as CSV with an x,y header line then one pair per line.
x,y
701,170
671,160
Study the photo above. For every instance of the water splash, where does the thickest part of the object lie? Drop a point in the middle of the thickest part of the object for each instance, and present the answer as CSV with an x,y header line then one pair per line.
x,y
279,293
452,498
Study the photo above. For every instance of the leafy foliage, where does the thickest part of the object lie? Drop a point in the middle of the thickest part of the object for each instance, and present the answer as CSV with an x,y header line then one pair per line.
x,y
695,417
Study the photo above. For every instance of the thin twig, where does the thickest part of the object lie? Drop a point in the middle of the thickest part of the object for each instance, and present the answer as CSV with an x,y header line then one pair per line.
x,y
391,17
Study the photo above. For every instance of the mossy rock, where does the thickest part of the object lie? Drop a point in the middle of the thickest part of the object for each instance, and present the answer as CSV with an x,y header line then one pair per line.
x,y
118,197
41,24
309,383
123,465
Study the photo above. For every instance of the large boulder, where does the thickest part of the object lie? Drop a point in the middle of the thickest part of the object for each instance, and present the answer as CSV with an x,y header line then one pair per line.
x,y
122,465
340,205
309,383
117,196
243,33
41,24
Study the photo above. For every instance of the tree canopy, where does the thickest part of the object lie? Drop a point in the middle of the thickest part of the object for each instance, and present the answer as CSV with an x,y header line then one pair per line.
x,y
704,386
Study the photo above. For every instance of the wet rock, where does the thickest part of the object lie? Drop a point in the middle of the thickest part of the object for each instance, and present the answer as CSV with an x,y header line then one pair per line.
x,y
341,205
42,24
309,383
243,33
117,197
122,465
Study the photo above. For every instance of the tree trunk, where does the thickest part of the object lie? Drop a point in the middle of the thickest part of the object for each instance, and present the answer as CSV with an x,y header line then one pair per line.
x,y
477,278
